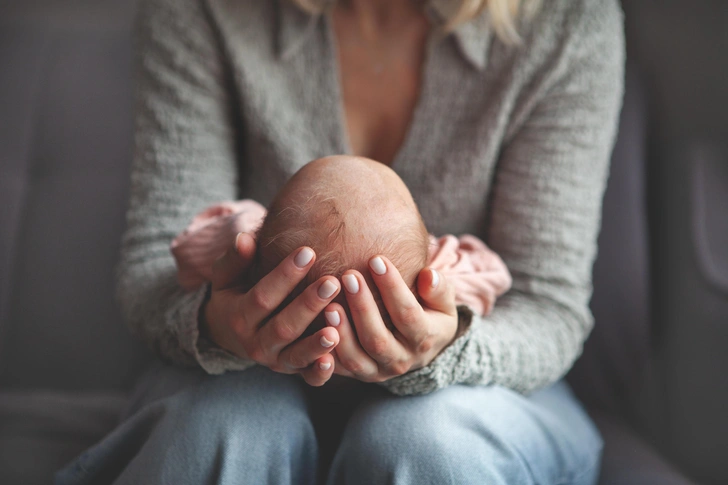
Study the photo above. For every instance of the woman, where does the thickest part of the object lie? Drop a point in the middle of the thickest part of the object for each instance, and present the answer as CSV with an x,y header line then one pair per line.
x,y
500,117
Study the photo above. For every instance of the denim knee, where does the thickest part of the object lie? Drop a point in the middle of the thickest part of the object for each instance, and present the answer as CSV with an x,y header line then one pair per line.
x,y
243,427
256,403
464,435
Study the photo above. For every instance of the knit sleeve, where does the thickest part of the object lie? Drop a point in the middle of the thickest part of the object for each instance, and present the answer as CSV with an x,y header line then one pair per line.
x,y
545,212
184,160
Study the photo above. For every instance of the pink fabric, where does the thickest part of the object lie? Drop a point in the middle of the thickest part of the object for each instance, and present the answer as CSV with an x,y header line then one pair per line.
x,y
477,273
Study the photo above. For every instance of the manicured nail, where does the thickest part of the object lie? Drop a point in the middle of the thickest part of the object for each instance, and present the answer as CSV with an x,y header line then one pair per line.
x,y
435,278
351,283
326,342
325,365
326,289
237,240
333,318
378,265
303,257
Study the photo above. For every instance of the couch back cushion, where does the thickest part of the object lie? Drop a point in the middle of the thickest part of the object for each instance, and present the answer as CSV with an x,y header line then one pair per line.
x,y
612,368
65,146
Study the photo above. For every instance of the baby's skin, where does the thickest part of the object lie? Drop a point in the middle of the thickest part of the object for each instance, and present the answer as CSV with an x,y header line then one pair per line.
x,y
346,209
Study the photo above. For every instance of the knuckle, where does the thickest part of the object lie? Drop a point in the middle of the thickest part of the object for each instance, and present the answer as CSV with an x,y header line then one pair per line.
x,y
262,300
377,345
238,325
409,315
425,346
283,332
297,361
256,353
311,303
399,368
353,366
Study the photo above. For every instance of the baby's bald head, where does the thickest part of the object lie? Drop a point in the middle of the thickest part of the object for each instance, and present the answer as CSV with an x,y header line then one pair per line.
x,y
347,209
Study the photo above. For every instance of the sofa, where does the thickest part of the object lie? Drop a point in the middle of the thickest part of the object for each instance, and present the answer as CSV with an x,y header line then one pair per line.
x,y
653,373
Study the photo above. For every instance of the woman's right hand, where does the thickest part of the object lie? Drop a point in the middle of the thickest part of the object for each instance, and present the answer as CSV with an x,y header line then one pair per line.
x,y
240,322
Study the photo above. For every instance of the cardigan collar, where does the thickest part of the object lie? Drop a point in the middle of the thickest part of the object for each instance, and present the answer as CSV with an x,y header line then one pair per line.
x,y
295,28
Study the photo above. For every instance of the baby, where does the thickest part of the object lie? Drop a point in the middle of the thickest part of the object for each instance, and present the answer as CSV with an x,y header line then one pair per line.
x,y
347,209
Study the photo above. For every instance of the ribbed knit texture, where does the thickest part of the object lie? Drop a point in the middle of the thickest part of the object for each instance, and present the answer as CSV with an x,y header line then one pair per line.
x,y
509,143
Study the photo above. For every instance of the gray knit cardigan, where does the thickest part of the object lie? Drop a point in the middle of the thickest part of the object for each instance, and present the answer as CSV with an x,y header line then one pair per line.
x,y
510,143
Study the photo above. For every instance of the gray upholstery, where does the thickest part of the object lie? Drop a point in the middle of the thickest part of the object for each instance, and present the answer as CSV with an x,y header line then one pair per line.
x,y
610,372
66,128
652,373
40,431
628,459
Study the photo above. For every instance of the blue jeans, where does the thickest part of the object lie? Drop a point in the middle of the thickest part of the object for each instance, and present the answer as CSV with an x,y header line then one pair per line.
x,y
259,427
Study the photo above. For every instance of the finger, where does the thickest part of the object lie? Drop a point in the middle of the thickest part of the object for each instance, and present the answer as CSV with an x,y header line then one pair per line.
x,y
351,355
436,293
340,369
228,268
274,287
374,336
320,371
405,311
302,354
293,320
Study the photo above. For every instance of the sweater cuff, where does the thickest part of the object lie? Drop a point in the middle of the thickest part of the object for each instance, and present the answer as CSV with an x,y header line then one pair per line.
x,y
209,356
451,366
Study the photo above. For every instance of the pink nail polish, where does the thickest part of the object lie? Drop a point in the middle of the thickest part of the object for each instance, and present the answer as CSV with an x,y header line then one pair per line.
x,y
378,266
303,257
435,278
351,283
327,289
332,318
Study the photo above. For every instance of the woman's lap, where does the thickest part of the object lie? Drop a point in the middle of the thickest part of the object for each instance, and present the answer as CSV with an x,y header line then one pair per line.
x,y
255,427
465,434
199,429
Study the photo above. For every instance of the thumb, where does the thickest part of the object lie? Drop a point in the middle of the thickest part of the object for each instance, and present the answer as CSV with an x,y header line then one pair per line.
x,y
436,293
228,268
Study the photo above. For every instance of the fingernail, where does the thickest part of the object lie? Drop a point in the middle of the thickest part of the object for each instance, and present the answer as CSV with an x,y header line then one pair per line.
x,y
435,278
326,289
333,318
351,283
303,257
326,342
237,240
378,265
325,365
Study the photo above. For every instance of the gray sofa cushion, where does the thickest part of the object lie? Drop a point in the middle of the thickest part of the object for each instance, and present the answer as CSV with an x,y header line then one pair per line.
x,y
628,460
66,124
609,373
42,431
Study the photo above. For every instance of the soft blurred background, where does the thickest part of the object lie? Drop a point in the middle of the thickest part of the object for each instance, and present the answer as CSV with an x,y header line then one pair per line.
x,y
654,374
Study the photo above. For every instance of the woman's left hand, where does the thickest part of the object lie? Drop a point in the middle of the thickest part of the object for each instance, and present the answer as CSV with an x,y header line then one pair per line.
x,y
421,330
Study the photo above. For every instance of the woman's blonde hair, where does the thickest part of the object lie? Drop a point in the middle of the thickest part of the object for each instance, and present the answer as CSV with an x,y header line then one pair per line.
x,y
503,14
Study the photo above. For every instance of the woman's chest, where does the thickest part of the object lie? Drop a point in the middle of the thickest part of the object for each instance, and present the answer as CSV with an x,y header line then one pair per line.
x,y
442,138
380,76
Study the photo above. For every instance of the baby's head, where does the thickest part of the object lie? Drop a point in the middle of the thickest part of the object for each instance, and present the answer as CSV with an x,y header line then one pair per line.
x,y
347,209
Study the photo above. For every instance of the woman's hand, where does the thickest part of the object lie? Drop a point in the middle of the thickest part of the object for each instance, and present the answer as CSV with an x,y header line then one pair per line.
x,y
376,353
241,323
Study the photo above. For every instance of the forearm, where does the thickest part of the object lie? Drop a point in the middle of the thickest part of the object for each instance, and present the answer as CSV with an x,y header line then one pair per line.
x,y
524,344
184,160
